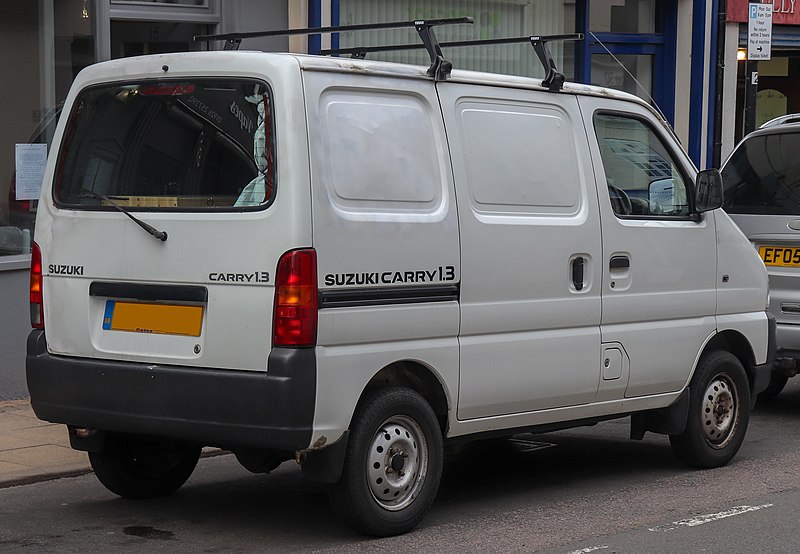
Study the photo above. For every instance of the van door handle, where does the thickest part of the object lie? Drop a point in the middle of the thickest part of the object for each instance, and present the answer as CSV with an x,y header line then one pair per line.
x,y
577,273
619,262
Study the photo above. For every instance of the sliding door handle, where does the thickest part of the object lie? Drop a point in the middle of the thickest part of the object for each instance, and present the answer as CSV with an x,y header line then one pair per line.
x,y
619,262
577,273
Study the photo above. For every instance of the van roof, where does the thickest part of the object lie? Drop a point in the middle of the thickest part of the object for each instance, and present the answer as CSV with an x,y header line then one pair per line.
x,y
127,67
327,63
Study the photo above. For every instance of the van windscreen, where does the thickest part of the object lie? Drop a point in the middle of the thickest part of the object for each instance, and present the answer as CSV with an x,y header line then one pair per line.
x,y
763,176
200,144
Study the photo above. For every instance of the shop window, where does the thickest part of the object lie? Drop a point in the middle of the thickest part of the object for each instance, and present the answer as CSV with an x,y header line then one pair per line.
x,y
626,16
631,73
179,2
47,44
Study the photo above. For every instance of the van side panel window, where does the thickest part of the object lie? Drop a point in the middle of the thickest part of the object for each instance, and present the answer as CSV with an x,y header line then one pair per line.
x,y
642,178
382,152
521,158
186,145
763,176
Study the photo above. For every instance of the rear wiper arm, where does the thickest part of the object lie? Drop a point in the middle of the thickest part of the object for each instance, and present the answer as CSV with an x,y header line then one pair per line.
x,y
160,235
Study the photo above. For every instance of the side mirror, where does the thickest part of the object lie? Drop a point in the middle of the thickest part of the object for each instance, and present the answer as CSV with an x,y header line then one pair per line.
x,y
708,191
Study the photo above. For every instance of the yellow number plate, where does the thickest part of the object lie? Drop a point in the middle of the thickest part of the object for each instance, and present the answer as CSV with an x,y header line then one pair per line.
x,y
161,319
782,256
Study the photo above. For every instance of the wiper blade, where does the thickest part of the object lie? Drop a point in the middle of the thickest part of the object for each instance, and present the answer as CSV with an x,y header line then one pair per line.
x,y
160,235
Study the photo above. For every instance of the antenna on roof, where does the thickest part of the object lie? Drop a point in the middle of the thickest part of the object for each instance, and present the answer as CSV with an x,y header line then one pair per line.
x,y
553,80
439,69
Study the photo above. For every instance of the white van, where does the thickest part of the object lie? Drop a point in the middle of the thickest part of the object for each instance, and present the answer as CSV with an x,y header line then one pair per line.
x,y
351,263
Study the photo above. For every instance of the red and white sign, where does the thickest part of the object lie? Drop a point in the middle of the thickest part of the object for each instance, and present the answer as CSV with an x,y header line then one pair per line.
x,y
784,12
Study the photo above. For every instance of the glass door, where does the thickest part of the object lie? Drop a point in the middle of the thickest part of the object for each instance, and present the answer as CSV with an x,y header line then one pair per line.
x,y
628,47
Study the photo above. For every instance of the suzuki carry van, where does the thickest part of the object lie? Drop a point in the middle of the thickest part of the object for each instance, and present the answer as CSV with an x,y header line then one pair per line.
x,y
351,264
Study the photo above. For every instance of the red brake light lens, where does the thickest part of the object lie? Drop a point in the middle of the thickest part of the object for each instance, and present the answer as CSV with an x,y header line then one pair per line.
x,y
37,309
295,309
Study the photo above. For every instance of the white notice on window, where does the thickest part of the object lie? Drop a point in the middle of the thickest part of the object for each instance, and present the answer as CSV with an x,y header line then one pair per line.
x,y
30,162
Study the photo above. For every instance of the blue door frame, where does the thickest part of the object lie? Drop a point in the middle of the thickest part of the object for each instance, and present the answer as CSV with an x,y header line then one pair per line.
x,y
660,45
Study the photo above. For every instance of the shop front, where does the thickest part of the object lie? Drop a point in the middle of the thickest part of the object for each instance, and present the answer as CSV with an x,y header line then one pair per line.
x,y
43,45
766,89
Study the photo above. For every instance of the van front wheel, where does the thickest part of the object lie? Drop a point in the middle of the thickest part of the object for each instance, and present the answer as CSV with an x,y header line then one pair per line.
x,y
393,464
139,467
719,411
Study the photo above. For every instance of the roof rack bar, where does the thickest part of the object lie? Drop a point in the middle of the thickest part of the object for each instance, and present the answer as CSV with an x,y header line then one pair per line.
x,y
553,80
439,69
237,37
360,51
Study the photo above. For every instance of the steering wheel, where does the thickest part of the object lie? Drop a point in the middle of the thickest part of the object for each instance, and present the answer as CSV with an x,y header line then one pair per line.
x,y
620,201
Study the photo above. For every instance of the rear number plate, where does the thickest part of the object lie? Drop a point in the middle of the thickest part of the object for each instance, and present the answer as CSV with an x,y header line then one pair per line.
x,y
782,256
160,319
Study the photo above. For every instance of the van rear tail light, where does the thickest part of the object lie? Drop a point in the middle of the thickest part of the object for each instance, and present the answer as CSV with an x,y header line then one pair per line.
x,y
295,310
37,309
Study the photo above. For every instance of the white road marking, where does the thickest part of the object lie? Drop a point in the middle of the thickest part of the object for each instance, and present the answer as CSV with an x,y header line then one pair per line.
x,y
708,518
587,550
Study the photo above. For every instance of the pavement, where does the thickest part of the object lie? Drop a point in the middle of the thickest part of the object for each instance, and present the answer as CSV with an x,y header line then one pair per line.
x,y
33,450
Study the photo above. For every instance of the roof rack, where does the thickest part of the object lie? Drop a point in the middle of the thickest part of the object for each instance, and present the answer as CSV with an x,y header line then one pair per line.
x,y
439,68
554,80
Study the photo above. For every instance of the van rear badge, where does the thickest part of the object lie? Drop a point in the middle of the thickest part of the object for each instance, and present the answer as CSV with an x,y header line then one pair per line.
x,y
55,269
255,277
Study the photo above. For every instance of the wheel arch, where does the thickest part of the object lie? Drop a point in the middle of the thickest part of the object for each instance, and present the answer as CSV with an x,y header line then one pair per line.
x,y
325,464
730,340
420,378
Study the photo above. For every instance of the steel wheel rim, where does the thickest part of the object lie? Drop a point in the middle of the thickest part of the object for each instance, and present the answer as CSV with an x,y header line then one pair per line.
x,y
397,463
720,413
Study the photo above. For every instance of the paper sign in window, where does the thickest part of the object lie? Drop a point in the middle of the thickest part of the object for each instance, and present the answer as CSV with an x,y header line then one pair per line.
x,y
30,162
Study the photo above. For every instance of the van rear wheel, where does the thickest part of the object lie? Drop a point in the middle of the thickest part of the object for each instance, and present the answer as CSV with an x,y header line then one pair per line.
x,y
139,467
719,411
393,464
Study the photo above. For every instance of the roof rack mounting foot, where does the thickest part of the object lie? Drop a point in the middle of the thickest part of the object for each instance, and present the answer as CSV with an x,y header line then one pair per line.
x,y
232,44
553,80
440,68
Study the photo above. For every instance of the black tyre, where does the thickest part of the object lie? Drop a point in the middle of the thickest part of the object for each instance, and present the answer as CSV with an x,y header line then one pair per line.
x,y
393,464
776,384
138,467
719,411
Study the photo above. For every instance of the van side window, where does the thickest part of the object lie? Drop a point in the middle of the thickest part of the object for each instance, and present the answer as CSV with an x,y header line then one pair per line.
x,y
642,178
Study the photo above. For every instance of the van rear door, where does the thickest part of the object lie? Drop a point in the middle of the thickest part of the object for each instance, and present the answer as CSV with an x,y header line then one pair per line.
x,y
194,158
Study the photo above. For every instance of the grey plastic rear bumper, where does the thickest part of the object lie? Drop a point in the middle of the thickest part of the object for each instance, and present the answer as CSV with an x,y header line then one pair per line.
x,y
218,407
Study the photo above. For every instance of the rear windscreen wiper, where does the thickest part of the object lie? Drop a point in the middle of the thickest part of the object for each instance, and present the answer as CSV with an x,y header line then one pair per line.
x,y
160,235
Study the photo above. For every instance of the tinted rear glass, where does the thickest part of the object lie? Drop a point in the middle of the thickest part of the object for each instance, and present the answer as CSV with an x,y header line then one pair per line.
x,y
169,145
763,176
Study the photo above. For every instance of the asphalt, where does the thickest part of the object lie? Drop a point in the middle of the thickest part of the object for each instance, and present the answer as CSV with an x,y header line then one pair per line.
x,y
33,450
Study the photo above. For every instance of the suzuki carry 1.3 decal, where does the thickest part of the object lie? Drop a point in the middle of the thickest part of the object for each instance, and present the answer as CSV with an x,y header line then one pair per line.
x,y
437,275
257,277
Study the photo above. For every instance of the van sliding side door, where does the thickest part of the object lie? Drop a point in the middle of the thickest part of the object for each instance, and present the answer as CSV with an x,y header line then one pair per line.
x,y
530,250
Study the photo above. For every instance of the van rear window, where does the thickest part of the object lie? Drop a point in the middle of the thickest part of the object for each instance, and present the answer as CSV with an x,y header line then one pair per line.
x,y
169,145
763,176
